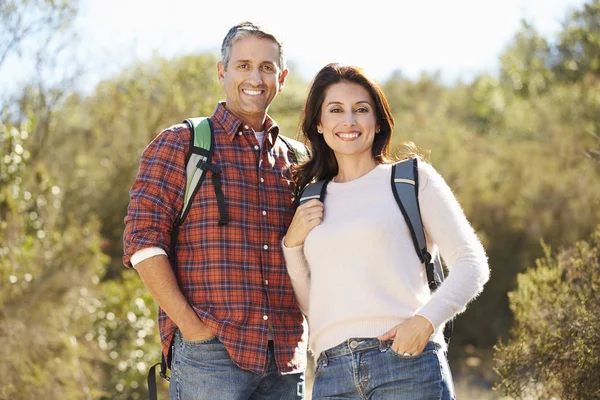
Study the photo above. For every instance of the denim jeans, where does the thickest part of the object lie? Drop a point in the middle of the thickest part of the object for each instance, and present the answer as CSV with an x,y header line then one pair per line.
x,y
204,371
367,368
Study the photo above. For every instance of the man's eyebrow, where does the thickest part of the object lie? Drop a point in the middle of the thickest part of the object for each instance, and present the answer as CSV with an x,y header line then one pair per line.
x,y
250,61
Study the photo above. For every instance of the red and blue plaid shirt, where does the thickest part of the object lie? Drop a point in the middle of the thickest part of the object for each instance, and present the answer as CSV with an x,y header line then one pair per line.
x,y
234,276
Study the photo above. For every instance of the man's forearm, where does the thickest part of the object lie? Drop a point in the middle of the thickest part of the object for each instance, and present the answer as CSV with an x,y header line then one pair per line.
x,y
158,276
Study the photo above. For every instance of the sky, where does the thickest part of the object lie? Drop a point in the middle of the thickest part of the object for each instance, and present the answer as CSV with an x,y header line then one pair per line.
x,y
460,38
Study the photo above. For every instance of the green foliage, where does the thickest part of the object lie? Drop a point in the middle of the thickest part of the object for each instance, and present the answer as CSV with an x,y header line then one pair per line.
x,y
525,64
579,45
124,325
49,268
554,346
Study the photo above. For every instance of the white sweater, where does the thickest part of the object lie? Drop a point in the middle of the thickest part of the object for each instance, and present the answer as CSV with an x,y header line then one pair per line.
x,y
358,274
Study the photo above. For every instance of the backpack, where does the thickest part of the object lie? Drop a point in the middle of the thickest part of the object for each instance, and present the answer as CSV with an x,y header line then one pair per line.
x,y
198,160
405,186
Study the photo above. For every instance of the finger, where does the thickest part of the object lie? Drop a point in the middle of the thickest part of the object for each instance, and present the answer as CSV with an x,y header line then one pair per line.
x,y
309,214
311,203
388,335
314,214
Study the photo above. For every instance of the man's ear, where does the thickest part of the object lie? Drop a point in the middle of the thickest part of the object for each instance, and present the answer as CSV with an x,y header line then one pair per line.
x,y
282,79
221,72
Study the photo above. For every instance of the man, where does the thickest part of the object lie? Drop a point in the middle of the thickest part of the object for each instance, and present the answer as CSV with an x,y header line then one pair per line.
x,y
229,322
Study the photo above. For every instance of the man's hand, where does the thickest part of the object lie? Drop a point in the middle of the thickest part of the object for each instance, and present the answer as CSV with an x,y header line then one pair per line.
x,y
158,276
195,330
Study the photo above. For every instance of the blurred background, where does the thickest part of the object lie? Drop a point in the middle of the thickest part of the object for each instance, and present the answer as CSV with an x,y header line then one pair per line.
x,y
503,96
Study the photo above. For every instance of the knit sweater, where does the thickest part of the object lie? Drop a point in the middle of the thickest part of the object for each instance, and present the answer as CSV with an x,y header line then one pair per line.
x,y
358,274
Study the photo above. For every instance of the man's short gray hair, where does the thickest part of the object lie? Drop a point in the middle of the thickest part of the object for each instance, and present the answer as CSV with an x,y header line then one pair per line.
x,y
245,29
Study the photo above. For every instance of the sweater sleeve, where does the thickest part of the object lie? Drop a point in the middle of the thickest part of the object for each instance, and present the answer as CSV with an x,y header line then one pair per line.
x,y
447,227
299,273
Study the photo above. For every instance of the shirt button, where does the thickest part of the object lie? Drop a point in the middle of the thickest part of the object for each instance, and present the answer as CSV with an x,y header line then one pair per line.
x,y
256,147
264,212
240,133
266,247
354,344
246,127
266,281
265,317
262,179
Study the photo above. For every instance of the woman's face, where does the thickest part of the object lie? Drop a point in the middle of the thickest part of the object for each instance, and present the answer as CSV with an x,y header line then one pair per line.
x,y
348,121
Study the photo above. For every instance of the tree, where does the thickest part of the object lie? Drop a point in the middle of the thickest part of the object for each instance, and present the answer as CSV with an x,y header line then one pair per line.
x,y
525,64
579,45
49,272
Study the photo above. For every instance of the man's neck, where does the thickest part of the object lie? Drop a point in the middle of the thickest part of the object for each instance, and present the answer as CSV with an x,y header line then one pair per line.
x,y
256,122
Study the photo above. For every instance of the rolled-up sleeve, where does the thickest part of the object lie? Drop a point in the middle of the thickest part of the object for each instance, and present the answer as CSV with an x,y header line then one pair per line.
x,y
156,196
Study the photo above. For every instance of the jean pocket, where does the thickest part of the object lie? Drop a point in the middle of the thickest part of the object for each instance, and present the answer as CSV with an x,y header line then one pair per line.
x,y
199,342
429,350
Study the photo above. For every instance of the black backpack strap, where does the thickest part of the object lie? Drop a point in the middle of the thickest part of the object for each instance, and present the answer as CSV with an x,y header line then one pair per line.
x,y
405,186
152,391
314,190
301,152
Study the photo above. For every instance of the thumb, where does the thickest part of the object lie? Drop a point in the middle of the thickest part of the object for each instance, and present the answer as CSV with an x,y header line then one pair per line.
x,y
389,334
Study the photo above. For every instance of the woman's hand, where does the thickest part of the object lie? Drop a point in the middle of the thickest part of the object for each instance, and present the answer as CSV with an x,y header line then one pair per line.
x,y
411,336
307,216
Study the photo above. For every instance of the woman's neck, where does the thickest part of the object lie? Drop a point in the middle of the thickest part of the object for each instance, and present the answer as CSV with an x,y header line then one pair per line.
x,y
351,169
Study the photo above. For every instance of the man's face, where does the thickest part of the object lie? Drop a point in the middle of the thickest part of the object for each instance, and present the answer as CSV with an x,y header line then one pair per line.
x,y
253,77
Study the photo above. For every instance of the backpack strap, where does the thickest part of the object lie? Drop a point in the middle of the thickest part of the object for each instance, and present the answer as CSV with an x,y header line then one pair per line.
x,y
405,186
152,391
315,190
198,161
300,151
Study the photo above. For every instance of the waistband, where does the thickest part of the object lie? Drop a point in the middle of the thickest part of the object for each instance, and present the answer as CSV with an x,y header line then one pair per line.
x,y
354,345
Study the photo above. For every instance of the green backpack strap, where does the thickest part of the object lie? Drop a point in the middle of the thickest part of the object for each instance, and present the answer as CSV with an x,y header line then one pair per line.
x,y
405,186
201,147
198,161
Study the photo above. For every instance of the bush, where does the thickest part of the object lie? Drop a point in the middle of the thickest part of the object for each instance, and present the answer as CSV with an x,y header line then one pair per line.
x,y
554,346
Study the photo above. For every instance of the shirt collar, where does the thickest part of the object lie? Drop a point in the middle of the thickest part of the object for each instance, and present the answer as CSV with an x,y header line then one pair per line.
x,y
232,124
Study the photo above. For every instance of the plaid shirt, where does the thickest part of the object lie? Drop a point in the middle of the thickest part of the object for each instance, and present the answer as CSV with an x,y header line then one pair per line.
x,y
234,276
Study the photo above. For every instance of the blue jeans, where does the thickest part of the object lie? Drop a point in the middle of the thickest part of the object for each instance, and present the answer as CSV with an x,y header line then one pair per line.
x,y
204,371
364,368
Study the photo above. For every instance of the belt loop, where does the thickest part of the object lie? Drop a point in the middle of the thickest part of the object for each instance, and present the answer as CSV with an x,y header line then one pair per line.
x,y
384,345
323,359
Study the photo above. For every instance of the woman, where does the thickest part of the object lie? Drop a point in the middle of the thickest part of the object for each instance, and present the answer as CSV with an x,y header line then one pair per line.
x,y
375,329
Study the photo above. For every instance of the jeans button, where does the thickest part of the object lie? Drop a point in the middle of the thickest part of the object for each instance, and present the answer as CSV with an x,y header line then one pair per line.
x,y
354,344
